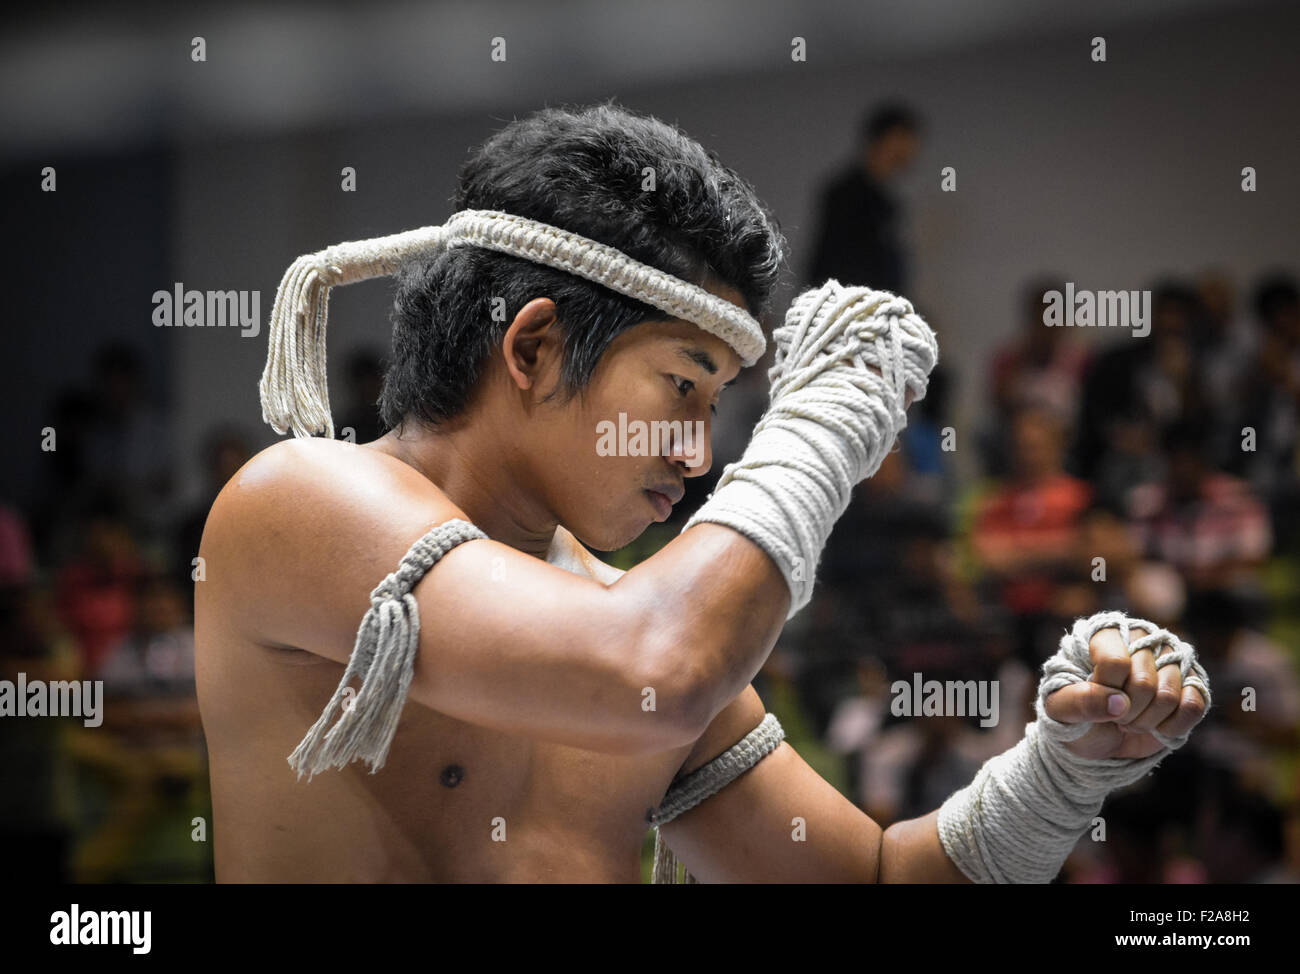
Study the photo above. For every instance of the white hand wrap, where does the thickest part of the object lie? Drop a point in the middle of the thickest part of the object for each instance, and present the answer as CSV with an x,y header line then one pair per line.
x,y
830,423
1027,807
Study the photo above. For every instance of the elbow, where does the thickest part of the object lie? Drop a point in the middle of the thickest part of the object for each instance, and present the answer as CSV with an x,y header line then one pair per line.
x,y
673,689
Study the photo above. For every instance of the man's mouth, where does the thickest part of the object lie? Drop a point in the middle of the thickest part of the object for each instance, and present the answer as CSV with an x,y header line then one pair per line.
x,y
663,501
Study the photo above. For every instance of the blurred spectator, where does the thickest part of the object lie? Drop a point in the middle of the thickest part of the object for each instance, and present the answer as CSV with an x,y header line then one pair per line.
x,y
1241,837
932,477
1133,390
913,767
856,720
891,767
1041,368
148,756
225,450
867,564
1170,380
1110,559
65,486
156,659
1145,841
96,588
37,806
1206,524
1226,346
128,445
858,240
934,619
1026,532
888,586
1269,397
15,549
1256,686
777,685
365,382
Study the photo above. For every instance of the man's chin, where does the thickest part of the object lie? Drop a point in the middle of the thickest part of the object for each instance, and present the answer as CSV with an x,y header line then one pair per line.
x,y
606,538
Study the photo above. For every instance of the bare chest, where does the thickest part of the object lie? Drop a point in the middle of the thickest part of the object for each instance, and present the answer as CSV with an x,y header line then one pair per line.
x,y
453,803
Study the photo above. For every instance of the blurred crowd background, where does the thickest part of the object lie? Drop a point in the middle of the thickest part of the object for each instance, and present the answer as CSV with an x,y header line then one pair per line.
x,y
1159,476
1048,474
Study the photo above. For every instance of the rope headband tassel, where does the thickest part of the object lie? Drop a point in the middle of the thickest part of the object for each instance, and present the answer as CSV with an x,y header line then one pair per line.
x,y
294,389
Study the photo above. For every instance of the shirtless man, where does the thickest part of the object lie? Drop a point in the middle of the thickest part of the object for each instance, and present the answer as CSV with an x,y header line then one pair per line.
x,y
525,751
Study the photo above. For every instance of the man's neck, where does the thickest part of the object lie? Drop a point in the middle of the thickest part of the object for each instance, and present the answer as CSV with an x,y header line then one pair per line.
x,y
477,476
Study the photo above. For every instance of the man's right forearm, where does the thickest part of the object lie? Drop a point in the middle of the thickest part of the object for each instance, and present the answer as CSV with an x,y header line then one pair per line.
x,y
637,666
709,608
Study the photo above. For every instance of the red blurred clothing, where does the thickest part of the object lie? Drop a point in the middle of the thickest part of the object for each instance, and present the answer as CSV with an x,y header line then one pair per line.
x,y
97,603
15,549
1040,518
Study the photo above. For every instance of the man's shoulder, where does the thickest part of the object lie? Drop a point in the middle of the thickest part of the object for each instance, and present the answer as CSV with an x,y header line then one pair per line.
x,y
318,477
327,497
303,532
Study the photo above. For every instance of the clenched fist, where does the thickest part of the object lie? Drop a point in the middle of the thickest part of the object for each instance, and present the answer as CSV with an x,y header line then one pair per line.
x,y
1122,688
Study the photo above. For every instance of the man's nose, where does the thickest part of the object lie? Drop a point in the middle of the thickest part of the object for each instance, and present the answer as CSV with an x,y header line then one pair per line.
x,y
691,449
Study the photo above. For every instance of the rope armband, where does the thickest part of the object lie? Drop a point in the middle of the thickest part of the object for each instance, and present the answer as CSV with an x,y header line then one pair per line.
x,y
689,790
383,659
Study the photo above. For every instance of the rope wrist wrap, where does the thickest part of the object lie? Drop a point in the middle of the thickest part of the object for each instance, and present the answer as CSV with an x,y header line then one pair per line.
x,y
294,391
704,782
829,425
383,659
1026,808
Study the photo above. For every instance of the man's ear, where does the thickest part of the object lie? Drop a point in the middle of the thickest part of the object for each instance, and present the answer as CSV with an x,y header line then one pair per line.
x,y
531,343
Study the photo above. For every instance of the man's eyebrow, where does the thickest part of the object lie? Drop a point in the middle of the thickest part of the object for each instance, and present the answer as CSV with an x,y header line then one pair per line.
x,y
700,357
704,360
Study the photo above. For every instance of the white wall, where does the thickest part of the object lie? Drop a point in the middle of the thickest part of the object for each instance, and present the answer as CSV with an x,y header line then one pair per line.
x,y
1110,173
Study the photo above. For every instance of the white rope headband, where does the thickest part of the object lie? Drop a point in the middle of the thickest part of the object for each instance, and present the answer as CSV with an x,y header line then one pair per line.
x,y
294,391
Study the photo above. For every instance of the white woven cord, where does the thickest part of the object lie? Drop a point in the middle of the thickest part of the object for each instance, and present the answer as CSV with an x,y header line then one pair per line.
x,y
1026,808
383,660
704,782
830,423
294,389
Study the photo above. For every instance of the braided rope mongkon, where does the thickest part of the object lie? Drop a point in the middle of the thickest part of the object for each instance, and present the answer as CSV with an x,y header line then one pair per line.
x,y
294,388
383,659
704,782
846,356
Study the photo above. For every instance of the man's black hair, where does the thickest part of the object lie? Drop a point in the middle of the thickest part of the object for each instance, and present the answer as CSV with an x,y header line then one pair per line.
x,y
581,169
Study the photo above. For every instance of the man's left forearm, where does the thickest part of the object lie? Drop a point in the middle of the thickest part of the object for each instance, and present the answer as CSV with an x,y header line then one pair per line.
x,y
910,852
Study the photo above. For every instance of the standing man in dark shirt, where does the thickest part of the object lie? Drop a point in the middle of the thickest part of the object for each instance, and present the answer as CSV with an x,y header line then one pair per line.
x,y
858,241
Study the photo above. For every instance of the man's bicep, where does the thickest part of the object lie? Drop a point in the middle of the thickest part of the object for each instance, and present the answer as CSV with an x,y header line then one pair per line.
x,y
511,642
506,640
777,822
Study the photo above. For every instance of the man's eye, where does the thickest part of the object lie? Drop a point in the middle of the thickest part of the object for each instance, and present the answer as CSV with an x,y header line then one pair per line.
x,y
684,386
